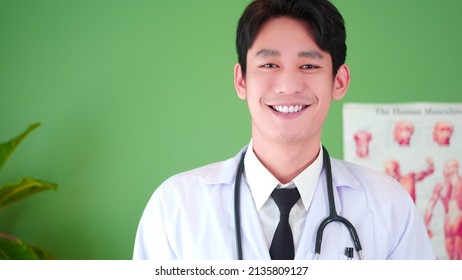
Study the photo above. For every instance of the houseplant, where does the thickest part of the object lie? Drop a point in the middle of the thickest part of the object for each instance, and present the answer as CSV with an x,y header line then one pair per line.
x,y
13,248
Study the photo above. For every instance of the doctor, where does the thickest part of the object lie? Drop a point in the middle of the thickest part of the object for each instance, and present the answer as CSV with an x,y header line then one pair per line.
x,y
291,56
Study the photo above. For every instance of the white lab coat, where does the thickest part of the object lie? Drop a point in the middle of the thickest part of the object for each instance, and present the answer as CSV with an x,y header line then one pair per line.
x,y
191,216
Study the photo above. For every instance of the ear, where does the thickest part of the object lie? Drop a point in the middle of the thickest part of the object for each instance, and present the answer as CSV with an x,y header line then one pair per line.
x,y
341,82
239,82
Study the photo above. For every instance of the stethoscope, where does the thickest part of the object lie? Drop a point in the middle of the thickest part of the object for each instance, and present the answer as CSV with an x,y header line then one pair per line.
x,y
333,216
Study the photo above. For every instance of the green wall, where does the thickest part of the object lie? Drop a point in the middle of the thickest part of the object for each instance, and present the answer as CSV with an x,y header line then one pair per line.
x,y
132,92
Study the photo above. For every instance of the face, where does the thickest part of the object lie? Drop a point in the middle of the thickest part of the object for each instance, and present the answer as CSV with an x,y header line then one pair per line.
x,y
289,83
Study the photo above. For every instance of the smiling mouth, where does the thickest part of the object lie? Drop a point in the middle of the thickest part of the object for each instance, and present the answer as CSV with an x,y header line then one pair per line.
x,y
288,109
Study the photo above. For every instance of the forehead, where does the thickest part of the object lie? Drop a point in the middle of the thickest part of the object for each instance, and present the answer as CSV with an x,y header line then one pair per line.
x,y
284,33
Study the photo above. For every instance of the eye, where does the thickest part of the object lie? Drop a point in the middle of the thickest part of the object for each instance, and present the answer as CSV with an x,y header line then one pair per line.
x,y
309,66
269,65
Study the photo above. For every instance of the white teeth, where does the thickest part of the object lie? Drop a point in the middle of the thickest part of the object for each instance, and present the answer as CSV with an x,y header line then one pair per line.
x,y
288,109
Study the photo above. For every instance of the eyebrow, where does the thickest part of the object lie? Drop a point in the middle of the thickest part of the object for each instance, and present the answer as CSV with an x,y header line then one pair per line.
x,y
270,52
311,54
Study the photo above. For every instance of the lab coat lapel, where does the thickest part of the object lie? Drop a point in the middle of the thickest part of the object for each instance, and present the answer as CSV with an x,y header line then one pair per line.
x,y
253,240
318,211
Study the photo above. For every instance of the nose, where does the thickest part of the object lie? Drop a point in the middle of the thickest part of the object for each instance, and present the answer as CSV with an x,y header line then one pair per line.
x,y
288,82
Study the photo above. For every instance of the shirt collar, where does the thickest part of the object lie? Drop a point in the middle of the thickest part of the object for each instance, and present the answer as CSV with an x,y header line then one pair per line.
x,y
262,183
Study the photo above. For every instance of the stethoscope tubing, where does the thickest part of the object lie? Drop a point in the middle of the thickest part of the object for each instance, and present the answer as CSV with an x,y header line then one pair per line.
x,y
333,216
237,202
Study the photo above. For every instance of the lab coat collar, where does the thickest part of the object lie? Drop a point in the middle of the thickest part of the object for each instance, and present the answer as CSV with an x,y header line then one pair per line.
x,y
223,175
343,177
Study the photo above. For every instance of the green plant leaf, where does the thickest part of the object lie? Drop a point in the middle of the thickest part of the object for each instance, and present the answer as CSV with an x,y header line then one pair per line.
x,y
7,148
42,254
12,248
15,249
17,191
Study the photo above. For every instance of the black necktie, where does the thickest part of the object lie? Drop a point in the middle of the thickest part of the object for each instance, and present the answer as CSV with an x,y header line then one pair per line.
x,y
282,246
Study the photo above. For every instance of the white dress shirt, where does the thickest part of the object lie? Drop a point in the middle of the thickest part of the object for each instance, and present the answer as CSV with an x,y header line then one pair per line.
x,y
262,183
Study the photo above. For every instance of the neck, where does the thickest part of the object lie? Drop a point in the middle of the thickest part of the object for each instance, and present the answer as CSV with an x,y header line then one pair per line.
x,y
285,160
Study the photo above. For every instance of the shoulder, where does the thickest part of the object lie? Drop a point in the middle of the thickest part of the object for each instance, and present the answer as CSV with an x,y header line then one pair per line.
x,y
205,177
352,171
374,182
387,212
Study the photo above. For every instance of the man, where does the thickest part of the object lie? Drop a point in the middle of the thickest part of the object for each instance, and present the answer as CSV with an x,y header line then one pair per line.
x,y
449,192
290,67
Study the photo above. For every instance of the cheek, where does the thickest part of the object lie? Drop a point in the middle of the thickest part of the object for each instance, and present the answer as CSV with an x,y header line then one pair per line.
x,y
258,87
325,86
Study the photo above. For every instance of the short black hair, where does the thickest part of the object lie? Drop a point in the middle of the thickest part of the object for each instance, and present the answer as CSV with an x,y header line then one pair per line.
x,y
325,20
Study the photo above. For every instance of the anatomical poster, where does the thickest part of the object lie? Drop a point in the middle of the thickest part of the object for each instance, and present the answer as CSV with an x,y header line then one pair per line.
x,y
420,145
